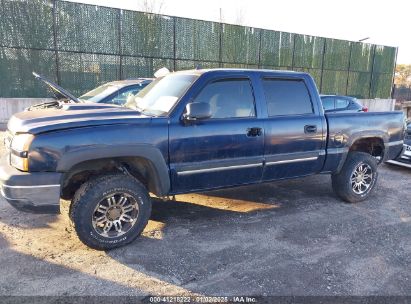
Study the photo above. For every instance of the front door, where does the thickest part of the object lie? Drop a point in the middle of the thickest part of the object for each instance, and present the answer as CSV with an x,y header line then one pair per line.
x,y
224,150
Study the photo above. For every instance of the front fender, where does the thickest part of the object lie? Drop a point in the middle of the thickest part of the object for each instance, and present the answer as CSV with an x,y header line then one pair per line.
x,y
62,150
145,151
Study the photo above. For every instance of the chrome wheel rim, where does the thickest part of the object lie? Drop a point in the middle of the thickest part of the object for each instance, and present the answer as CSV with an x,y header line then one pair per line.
x,y
115,215
361,178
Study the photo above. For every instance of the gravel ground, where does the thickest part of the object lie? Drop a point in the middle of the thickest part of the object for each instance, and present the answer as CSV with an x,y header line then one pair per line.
x,y
286,238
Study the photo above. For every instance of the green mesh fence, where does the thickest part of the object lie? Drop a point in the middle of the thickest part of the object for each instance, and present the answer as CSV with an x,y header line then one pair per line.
x,y
80,72
87,28
315,74
16,66
361,59
134,67
145,34
272,67
384,59
337,54
380,85
190,64
359,84
334,82
26,23
276,48
82,46
240,44
197,40
239,66
308,51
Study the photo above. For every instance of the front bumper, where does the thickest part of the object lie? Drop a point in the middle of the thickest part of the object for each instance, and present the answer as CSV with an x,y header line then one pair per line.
x,y
37,192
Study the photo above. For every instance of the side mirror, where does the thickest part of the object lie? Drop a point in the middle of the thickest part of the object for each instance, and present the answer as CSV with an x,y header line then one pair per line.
x,y
197,111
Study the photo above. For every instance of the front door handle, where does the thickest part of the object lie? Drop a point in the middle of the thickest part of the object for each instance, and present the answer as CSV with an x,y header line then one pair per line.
x,y
310,129
254,132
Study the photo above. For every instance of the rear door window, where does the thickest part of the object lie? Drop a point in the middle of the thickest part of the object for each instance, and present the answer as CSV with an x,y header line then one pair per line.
x,y
287,97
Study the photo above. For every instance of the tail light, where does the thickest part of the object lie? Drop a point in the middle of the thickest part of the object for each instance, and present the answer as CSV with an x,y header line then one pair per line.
x,y
364,109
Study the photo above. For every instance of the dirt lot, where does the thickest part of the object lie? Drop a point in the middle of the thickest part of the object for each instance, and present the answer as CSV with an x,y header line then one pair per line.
x,y
285,238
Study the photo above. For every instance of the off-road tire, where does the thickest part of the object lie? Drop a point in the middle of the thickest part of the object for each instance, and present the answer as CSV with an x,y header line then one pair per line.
x,y
341,182
88,196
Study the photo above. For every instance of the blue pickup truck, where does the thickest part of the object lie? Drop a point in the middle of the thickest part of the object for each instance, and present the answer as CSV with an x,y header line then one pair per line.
x,y
188,131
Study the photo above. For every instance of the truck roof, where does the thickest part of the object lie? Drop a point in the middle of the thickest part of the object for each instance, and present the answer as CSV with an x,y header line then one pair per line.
x,y
240,70
335,95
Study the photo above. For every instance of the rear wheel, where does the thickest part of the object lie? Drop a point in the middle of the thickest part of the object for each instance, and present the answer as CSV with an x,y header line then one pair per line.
x,y
357,178
110,211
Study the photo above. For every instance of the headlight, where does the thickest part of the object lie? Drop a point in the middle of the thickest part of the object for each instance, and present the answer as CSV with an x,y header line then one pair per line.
x,y
19,151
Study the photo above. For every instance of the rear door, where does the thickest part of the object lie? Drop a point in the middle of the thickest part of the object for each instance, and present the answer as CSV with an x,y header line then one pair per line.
x,y
224,150
294,130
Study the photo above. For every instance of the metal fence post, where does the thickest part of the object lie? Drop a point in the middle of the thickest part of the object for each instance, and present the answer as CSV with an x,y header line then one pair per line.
x,y
372,72
293,58
348,70
393,74
174,43
322,65
55,41
220,51
120,51
259,50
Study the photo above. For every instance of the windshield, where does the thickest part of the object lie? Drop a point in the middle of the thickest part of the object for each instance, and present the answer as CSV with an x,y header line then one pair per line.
x,y
99,93
159,97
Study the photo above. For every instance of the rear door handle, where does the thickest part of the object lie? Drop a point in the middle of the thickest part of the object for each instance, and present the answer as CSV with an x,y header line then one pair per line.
x,y
310,129
254,132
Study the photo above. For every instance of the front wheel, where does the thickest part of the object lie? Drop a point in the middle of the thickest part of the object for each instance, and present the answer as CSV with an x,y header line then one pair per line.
x,y
110,211
357,177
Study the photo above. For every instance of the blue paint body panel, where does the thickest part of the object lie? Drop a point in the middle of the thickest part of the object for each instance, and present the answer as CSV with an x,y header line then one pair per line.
x,y
212,153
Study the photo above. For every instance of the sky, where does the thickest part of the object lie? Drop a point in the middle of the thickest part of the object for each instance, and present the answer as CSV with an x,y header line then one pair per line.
x,y
385,22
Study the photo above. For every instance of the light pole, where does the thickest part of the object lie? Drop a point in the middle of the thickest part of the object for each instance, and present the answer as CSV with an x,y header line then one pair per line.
x,y
363,39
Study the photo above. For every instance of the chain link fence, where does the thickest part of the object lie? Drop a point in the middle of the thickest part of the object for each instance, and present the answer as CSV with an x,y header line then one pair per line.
x,y
81,46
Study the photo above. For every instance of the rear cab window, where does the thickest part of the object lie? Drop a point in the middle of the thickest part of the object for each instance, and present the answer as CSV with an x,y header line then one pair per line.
x,y
287,97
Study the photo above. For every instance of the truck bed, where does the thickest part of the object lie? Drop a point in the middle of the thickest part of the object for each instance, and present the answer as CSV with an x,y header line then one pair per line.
x,y
344,129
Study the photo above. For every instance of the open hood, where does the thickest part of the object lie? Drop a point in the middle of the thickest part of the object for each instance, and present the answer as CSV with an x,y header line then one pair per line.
x,y
58,91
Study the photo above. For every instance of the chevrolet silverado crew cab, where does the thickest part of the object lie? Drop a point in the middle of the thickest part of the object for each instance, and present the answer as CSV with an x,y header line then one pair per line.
x,y
185,132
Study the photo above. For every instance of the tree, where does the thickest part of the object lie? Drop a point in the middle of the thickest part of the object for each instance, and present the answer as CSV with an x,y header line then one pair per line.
x,y
240,17
151,6
403,75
